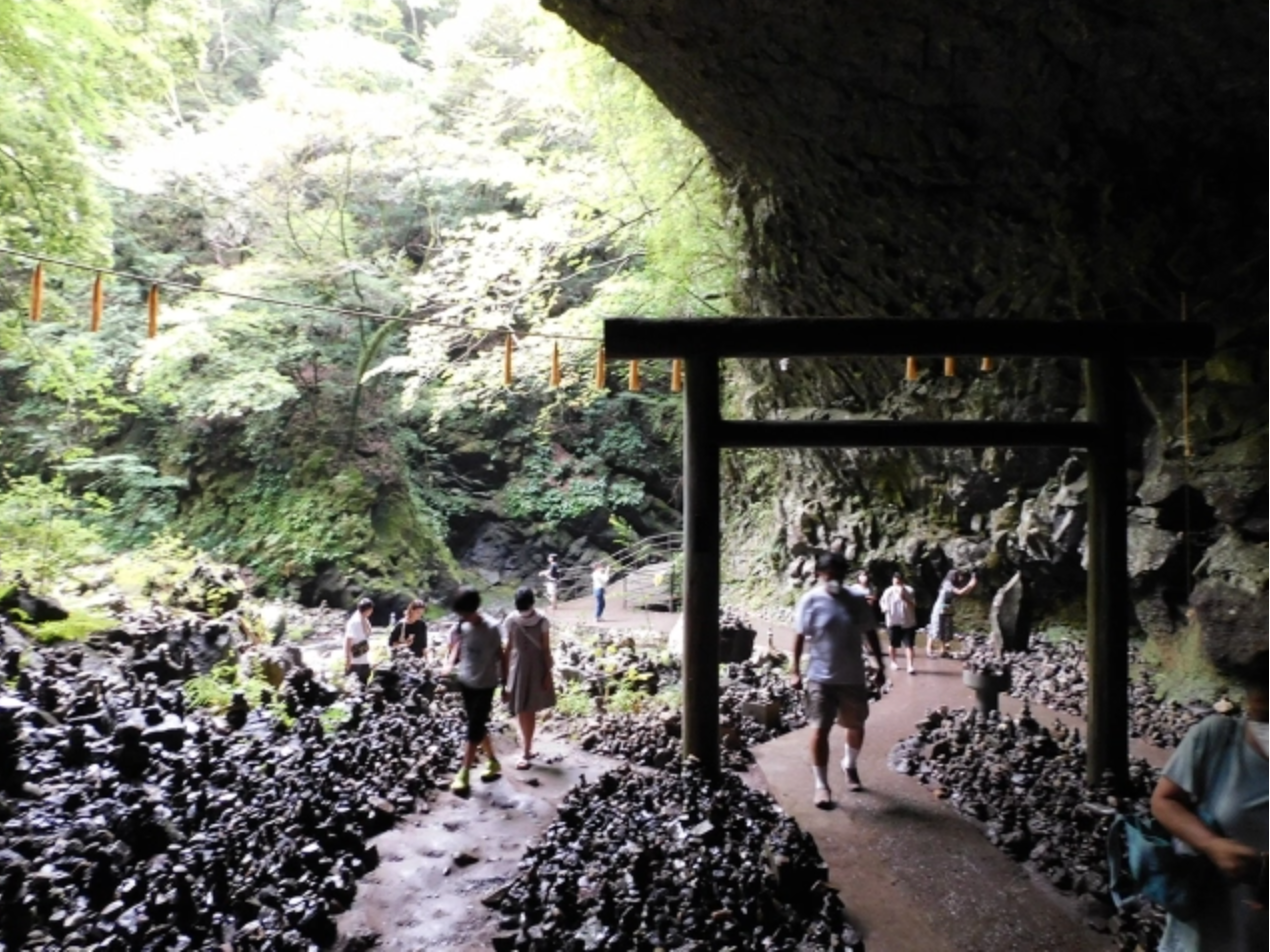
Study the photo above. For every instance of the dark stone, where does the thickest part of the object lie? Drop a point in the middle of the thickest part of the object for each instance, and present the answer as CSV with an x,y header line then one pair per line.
x,y
1233,623
1010,616
41,608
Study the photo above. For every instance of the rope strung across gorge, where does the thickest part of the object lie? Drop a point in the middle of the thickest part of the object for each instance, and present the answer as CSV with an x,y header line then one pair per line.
x,y
265,299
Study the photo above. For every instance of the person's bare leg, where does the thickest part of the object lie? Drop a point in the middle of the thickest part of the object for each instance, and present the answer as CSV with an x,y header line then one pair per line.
x,y
910,653
820,767
526,720
851,755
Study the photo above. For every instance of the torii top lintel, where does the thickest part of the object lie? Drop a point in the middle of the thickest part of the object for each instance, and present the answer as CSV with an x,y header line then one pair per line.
x,y
638,338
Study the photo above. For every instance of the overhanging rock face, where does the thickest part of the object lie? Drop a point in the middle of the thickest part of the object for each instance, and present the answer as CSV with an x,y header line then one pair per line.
x,y
1076,160
972,158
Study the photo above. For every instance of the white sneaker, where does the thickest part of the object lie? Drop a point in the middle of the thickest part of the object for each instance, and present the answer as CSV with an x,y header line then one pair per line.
x,y
911,669
894,666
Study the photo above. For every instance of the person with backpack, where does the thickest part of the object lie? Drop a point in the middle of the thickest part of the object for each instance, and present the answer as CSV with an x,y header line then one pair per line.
x,y
1212,797
834,623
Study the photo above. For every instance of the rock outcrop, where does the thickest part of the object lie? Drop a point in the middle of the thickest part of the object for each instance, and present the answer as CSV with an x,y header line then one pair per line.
x,y
1065,161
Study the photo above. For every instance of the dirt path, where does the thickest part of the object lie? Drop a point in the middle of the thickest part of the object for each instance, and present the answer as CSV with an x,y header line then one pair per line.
x,y
435,867
914,873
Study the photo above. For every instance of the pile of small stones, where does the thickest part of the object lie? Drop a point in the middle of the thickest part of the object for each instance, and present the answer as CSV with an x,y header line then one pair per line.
x,y
128,822
757,704
1026,784
1054,674
672,860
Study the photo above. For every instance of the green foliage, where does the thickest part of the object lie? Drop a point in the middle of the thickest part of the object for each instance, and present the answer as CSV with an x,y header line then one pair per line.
x,y
1180,667
70,70
44,530
334,717
574,700
77,626
214,691
471,163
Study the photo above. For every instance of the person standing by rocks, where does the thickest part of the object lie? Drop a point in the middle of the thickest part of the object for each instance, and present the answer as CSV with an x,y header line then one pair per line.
x,y
357,641
529,687
1213,797
477,657
899,610
599,583
552,574
412,631
834,624
956,583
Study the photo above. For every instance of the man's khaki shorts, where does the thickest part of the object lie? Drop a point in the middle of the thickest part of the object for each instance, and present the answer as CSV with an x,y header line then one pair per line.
x,y
846,704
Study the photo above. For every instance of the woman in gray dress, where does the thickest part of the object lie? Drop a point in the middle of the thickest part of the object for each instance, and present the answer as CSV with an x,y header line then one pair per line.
x,y
529,687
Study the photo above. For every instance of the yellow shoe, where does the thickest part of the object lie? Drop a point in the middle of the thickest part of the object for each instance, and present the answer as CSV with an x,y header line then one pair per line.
x,y
493,769
462,783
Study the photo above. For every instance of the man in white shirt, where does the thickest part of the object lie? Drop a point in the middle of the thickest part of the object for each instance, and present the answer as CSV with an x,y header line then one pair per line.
x,y
834,623
899,608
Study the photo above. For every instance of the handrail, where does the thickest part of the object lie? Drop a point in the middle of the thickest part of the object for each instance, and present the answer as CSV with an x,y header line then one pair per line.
x,y
624,561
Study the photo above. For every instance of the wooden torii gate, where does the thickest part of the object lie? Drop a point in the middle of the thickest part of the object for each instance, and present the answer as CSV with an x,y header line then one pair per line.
x,y
1105,347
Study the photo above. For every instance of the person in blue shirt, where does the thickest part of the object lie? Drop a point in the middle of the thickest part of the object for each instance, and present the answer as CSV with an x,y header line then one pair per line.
x,y
1221,768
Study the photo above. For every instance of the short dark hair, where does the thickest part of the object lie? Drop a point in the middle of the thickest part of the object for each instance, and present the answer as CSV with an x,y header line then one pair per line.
x,y
831,563
417,603
364,603
524,599
897,574
466,600
551,557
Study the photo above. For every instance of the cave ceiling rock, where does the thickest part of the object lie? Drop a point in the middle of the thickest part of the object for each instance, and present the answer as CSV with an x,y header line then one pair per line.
x,y
1066,160
1011,160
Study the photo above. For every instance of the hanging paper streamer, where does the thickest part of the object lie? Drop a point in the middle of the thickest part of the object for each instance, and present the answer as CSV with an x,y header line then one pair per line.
x,y
94,323
676,375
987,365
152,305
37,293
634,384
601,370
507,361
950,366
555,366
910,368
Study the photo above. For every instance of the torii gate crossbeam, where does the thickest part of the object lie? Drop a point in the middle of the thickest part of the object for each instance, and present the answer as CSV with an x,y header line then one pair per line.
x,y
1105,347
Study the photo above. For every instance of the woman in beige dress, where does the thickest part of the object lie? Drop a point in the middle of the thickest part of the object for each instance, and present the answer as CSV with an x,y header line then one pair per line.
x,y
529,687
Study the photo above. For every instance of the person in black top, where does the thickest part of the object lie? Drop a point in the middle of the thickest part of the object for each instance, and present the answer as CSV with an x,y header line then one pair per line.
x,y
412,631
552,574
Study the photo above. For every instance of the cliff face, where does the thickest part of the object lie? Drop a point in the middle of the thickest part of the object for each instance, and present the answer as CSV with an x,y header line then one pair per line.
x,y
1056,161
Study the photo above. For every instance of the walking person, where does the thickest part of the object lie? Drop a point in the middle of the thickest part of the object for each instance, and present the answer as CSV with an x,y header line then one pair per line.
x,y
357,641
1212,797
599,582
412,631
476,656
552,574
956,583
834,624
899,610
529,687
